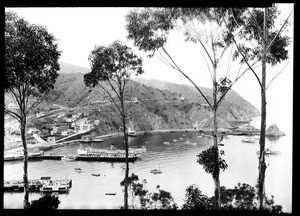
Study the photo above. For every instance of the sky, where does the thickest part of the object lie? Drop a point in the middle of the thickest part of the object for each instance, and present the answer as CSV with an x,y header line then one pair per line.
x,y
78,30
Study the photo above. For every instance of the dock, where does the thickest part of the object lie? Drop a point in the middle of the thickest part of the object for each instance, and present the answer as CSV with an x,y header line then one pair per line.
x,y
34,185
77,158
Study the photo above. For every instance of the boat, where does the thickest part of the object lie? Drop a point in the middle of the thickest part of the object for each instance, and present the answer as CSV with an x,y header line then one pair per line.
x,y
271,152
131,133
111,152
97,139
112,194
96,174
54,188
68,158
77,169
156,171
85,139
221,144
248,141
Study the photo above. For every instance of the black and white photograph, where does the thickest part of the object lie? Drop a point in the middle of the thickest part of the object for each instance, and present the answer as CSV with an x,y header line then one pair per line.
x,y
149,108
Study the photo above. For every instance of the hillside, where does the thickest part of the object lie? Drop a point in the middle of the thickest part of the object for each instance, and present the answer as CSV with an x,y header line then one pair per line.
x,y
66,68
160,104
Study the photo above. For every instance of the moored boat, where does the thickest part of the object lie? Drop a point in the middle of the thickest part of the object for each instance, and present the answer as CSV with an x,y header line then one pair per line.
x,y
156,171
55,188
131,133
111,152
68,158
248,141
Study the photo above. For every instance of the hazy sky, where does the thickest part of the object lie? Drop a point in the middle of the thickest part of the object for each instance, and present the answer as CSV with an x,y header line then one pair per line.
x,y
78,30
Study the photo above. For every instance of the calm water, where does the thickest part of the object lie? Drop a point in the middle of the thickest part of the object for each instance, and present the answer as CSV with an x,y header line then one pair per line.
x,y
177,161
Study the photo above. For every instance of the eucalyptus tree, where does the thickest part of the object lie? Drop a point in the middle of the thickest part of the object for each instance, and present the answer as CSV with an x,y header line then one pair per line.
x,y
31,65
260,41
111,70
149,29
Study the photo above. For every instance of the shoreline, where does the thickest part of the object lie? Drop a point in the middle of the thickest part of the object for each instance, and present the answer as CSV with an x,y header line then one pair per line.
x,y
43,147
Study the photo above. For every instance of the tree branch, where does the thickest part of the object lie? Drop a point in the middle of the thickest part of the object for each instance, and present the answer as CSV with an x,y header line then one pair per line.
x,y
110,96
244,57
277,74
12,114
187,78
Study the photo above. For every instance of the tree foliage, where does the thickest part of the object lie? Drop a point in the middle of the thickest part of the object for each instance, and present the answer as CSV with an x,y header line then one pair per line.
x,y
46,202
207,159
241,197
115,62
31,56
252,28
143,199
195,200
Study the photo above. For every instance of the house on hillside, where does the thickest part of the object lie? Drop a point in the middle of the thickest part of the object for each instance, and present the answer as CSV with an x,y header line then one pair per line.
x,y
54,130
51,139
33,130
40,114
60,115
97,122
196,126
84,125
134,100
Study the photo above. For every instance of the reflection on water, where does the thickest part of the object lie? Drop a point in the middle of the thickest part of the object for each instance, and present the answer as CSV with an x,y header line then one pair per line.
x,y
177,159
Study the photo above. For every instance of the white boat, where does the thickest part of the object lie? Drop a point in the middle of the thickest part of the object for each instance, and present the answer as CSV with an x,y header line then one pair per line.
x,y
55,188
132,133
68,158
156,171
248,141
97,139
61,186
271,152
112,152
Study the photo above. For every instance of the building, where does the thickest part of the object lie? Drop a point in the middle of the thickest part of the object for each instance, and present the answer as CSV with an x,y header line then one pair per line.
x,y
51,139
33,130
97,122
40,114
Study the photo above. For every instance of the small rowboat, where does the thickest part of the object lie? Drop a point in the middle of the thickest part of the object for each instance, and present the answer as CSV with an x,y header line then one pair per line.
x,y
96,174
156,171
111,194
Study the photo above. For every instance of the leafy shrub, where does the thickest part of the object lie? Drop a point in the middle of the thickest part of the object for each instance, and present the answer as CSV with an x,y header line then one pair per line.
x,y
46,202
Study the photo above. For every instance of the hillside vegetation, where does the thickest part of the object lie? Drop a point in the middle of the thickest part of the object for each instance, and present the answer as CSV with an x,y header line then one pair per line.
x,y
161,105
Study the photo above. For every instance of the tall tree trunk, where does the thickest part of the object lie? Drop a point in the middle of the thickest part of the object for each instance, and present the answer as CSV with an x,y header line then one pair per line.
x,y
25,151
215,142
126,153
262,164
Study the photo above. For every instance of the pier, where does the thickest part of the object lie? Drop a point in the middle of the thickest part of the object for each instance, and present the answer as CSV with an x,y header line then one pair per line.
x,y
78,158
34,185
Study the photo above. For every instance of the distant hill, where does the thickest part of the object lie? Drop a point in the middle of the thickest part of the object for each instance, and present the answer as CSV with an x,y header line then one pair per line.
x,y
161,105
233,102
66,68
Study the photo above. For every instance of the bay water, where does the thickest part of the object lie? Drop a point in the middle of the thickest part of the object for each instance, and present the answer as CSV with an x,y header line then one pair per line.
x,y
175,154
